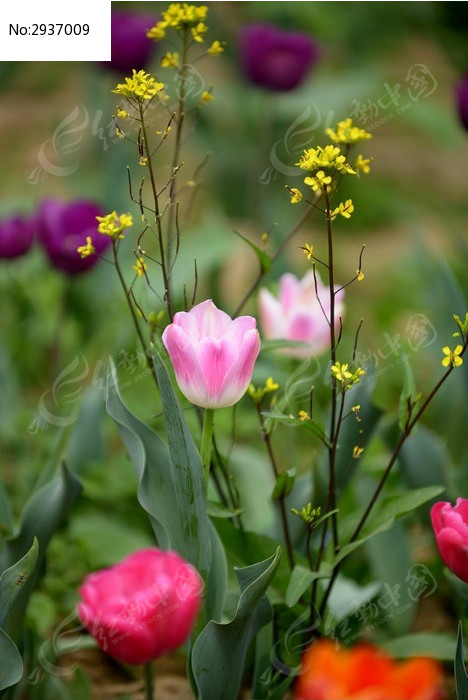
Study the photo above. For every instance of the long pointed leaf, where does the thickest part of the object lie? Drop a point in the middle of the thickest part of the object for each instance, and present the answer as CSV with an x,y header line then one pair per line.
x,y
219,654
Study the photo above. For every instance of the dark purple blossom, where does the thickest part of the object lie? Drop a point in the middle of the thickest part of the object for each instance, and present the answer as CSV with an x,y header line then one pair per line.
x,y
63,227
462,100
275,59
130,46
16,236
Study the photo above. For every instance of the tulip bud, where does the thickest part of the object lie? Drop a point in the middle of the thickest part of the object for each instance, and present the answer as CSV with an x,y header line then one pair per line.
x,y
450,525
143,607
212,354
16,236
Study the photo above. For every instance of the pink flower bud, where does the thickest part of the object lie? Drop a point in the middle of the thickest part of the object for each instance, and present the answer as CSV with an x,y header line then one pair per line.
x,y
213,355
296,315
450,525
143,607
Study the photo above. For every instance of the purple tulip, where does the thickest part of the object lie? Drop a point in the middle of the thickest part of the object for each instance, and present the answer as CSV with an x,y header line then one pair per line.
x,y
274,59
130,47
462,100
63,227
16,236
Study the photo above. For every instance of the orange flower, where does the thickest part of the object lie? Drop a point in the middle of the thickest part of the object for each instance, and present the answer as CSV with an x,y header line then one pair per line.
x,y
365,673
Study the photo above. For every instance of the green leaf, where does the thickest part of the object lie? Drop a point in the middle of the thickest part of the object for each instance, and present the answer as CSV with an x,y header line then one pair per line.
x,y
408,393
262,257
42,516
317,429
171,484
244,548
11,664
461,677
431,644
13,580
6,519
425,460
301,578
383,516
219,653
284,484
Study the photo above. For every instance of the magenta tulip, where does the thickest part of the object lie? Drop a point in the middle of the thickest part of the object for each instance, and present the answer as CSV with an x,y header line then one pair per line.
x,y
142,608
450,525
296,315
212,354
130,47
275,59
63,227
16,236
462,100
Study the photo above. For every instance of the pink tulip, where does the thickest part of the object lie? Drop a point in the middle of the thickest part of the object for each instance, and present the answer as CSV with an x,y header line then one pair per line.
x,y
142,608
213,355
450,525
297,315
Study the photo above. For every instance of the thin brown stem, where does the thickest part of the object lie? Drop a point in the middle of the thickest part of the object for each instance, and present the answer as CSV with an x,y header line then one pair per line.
x,y
282,246
282,507
162,253
403,437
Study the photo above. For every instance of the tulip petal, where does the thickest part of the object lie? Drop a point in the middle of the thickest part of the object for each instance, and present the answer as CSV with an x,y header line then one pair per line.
x,y
272,316
185,362
238,377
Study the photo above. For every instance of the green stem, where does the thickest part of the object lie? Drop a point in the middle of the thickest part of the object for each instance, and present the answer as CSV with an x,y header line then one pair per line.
x,y
149,681
206,440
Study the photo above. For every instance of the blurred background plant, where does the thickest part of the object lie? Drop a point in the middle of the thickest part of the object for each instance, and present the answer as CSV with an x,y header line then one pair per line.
x,y
407,86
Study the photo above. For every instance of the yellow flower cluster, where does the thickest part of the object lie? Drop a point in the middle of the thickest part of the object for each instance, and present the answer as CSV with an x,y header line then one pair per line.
x,y
141,86
347,134
307,514
216,48
257,394
86,250
181,16
113,224
205,97
342,374
323,158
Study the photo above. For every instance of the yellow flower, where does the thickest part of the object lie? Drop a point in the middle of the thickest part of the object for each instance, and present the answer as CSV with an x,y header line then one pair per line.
x,y
170,60
453,356
122,113
198,31
463,325
112,224
341,372
216,48
143,160
270,385
319,182
179,15
357,451
140,267
157,32
141,86
206,97
308,250
296,195
257,394
355,409
86,250
303,416
347,134
324,158
360,275
119,133
362,164
345,209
